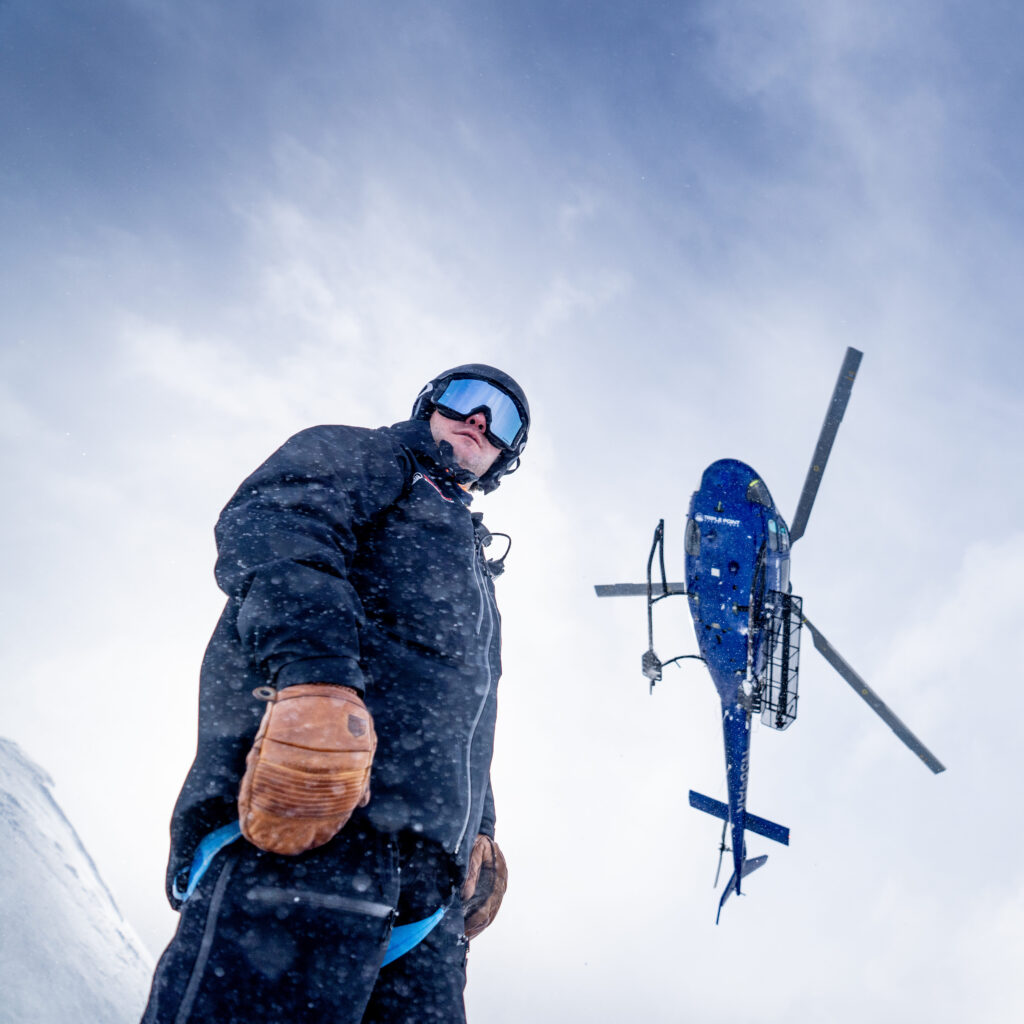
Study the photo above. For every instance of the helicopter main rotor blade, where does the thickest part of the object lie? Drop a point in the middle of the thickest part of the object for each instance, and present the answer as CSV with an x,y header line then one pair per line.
x,y
834,416
832,656
636,589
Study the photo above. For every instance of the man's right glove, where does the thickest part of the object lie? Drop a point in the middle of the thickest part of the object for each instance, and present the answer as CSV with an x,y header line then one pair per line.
x,y
309,767
486,881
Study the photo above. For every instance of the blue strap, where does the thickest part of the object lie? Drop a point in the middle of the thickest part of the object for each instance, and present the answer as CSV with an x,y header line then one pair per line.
x,y
403,936
205,852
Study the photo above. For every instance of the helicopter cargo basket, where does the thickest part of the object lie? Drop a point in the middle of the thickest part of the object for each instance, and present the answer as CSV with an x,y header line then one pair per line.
x,y
778,708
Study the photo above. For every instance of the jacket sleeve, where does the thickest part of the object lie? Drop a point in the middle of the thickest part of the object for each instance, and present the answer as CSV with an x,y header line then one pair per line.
x,y
285,544
488,820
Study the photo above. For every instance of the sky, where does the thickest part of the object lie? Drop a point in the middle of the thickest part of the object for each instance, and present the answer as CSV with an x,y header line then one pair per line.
x,y
225,222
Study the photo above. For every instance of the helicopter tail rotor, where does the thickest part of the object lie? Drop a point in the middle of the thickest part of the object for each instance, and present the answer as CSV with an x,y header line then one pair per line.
x,y
834,416
722,851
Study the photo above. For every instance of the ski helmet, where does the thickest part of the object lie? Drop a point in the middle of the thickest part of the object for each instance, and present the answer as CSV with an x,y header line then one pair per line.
x,y
508,414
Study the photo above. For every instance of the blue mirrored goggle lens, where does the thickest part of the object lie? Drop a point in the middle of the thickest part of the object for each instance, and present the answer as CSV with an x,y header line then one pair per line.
x,y
466,395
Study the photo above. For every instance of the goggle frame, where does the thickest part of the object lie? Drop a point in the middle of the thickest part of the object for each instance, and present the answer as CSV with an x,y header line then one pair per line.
x,y
469,403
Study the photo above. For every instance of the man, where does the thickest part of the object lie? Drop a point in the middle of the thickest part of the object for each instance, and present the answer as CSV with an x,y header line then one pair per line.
x,y
310,888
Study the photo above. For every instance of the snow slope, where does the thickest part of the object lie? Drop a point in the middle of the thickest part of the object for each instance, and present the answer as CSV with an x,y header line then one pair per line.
x,y
66,953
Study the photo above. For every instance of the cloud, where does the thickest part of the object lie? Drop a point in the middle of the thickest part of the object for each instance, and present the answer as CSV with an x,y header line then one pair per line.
x,y
669,222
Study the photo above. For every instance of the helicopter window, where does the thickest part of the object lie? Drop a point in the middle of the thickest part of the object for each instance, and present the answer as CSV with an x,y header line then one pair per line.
x,y
758,493
691,539
773,536
783,538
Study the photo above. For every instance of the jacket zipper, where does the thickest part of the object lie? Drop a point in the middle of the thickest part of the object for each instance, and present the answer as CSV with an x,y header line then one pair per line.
x,y
485,602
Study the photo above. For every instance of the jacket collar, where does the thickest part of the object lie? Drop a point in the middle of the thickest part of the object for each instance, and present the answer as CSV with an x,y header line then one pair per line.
x,y
415,434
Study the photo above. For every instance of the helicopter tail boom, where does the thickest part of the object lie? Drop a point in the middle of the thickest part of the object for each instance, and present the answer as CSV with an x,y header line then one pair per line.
x,y
751,822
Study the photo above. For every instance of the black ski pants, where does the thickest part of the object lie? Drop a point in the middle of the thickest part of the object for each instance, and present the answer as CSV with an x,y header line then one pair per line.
x,y
287,940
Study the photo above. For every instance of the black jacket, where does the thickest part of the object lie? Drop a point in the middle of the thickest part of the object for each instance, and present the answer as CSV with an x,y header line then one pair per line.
x,y
351,556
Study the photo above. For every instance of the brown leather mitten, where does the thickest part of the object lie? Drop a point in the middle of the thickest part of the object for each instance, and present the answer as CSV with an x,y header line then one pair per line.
x,y
309,767
485,885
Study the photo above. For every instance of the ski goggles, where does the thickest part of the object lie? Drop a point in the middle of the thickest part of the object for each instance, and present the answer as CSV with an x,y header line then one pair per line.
x,y
466,395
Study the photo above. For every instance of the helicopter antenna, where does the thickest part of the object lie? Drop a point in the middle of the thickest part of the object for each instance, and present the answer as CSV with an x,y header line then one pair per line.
x,y
651,665
834,416
658,544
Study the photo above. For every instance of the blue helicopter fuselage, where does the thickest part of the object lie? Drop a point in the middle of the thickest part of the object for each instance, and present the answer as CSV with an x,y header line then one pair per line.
x,y
737,558
737,568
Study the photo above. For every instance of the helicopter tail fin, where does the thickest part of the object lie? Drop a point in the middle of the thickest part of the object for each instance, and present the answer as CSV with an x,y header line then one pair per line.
x,y
752,823
749,864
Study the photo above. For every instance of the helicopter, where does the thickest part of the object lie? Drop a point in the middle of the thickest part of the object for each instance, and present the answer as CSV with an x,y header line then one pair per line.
x,y
748,622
